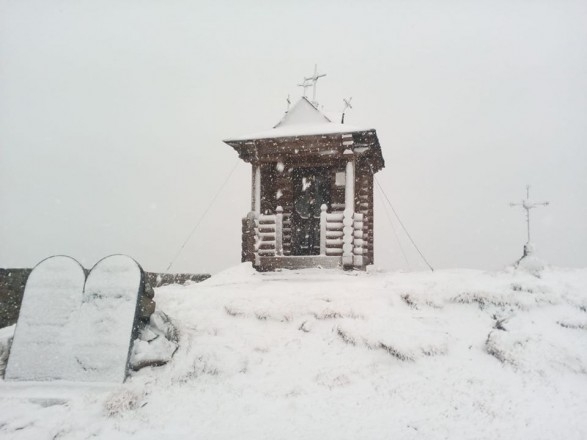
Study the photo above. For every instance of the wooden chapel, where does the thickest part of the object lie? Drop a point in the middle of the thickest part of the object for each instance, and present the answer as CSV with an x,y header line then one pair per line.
x,y
312,192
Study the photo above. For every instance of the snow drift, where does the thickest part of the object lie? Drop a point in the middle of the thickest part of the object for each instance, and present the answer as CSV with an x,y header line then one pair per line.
x,y
329,354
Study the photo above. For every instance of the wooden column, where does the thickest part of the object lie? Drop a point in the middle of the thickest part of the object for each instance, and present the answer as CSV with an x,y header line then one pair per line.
x,y
349,210
349,187
279,231
256,190
323,209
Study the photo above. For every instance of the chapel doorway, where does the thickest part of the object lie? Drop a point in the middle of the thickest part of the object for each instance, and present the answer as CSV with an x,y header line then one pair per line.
x,y
311,190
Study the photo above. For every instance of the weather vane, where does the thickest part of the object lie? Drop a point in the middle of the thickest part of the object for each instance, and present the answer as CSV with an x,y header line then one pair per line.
x,y
347,104
528,205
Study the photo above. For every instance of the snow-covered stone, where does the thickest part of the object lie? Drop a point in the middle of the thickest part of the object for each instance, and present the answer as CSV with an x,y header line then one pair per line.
x,y
107,318
71,332
156,344
530,262
43,339
6,335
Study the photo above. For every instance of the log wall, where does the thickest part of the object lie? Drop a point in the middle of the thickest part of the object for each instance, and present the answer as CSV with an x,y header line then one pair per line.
x,y
364,205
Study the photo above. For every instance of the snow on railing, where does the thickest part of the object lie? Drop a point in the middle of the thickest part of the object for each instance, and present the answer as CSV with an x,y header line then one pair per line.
x,y
347,238
340,233
265,235
331,232
273,234
359,245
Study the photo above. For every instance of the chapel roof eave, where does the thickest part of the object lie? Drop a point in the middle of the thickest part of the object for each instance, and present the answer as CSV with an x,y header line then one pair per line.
x,y
364,143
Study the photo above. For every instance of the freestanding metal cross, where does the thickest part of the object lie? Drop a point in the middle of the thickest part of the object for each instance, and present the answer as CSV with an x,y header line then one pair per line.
x,y
527,205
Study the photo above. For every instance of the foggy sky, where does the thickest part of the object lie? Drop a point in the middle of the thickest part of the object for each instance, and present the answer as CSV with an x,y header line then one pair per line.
x,y
112,115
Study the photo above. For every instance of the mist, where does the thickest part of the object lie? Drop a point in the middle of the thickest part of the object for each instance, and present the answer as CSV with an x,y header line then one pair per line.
x,y
112,116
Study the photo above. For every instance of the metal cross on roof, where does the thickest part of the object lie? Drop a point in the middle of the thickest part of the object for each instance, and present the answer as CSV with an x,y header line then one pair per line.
x,y
528,205
313,80
304,85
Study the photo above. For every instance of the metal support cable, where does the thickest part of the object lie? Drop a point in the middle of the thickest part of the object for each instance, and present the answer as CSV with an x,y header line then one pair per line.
x,y
203,215
402,225
399,244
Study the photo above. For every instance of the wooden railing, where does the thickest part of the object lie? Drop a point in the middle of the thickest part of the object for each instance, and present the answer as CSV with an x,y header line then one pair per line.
x,y
359,248
269,235
266,235
331,232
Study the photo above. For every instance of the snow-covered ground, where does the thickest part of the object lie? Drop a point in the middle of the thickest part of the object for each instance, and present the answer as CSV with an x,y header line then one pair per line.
x,y
457,354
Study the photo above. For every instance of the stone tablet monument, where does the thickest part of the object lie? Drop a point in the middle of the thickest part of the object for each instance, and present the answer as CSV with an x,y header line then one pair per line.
x,y
42,345
107,320
68,331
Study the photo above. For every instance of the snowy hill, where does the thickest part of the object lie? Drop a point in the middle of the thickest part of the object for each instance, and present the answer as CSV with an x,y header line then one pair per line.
x,y
310,354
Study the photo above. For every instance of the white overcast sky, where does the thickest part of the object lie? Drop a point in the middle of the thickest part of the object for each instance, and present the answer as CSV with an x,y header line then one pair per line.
x,y
112,115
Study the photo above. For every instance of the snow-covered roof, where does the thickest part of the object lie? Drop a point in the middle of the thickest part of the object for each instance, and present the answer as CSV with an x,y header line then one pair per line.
x,y
302,113
303,119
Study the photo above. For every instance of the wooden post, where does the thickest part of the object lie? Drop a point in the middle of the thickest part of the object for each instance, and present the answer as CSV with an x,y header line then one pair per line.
x,y
279,231
323,229
256,190
253,187
349,205
349,187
